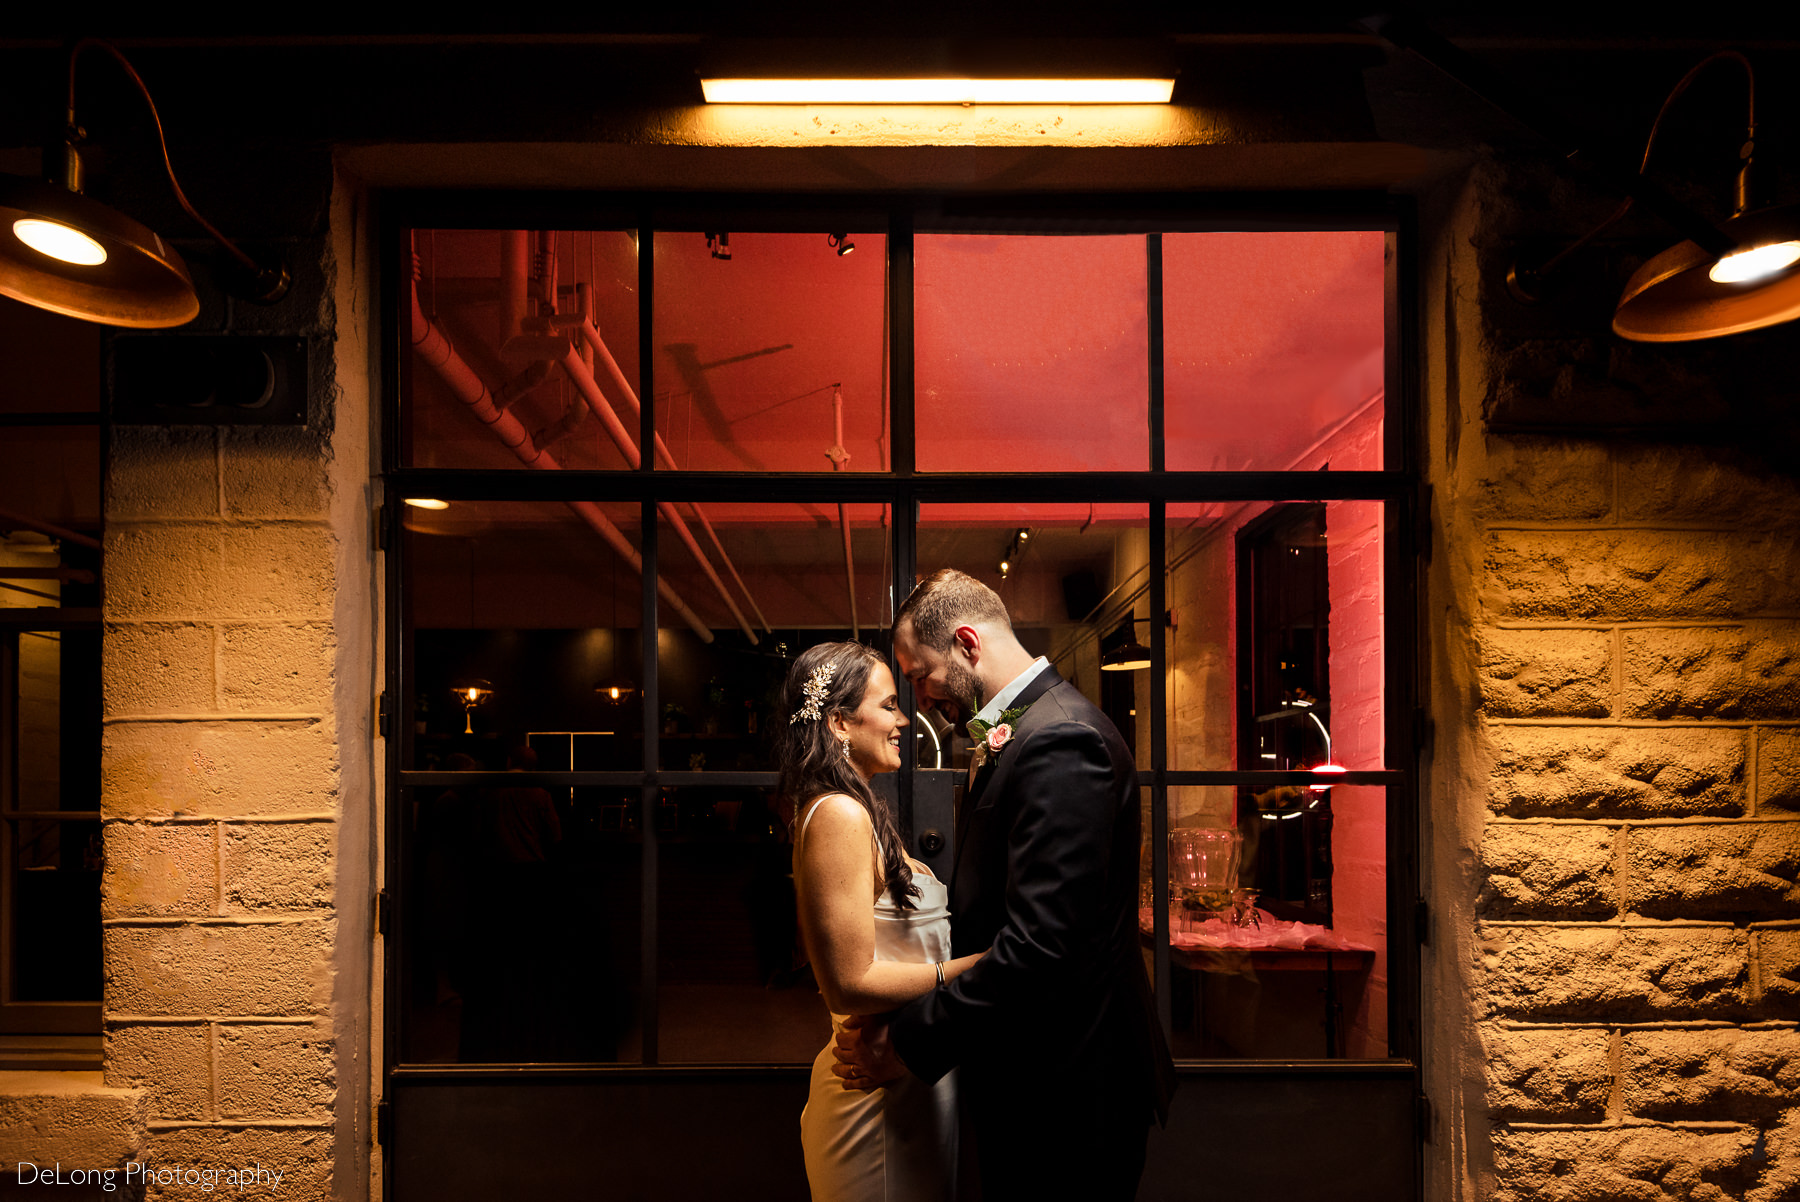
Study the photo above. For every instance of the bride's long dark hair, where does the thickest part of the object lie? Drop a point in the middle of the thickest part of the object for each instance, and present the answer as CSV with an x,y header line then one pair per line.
x,y
813,764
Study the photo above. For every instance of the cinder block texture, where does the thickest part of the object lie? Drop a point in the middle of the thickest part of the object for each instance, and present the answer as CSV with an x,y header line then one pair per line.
x,y
159,870
1608,974
162,472
250,570
225,768
1712,1075
1638,575
1561,1076
1715,871
1703,484
275,1072
1778,770
1750,671
270,866
1570,772
277,667
1543,479
274,471
302,1157
157,668
279,968
1546,673
72,1117
172,1065
1549,871
1778,960
1639,1164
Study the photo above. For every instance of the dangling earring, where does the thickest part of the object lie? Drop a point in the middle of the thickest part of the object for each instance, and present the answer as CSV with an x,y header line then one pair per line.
x,y
844,743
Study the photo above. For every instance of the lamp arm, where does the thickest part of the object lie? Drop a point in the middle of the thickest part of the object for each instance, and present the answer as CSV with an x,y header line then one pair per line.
x,y
1408,32
270,283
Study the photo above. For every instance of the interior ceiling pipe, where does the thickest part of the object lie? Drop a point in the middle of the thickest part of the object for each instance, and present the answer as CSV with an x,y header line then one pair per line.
x,y
602,355
585,384
18,521
430,345
515,267
839,457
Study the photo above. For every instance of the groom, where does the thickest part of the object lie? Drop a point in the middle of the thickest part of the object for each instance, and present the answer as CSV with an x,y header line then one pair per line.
x,y
1062,1061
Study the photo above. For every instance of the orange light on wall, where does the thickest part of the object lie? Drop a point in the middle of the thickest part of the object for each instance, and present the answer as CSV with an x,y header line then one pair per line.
x,y
937,91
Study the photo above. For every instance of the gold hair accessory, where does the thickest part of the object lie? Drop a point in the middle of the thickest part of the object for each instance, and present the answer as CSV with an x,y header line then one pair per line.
x,y
814,704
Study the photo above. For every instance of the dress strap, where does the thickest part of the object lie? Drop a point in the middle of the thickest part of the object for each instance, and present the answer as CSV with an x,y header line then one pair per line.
x,y
799,830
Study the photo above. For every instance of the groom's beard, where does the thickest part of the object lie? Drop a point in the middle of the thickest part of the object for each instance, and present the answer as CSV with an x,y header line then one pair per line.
x,y
963,700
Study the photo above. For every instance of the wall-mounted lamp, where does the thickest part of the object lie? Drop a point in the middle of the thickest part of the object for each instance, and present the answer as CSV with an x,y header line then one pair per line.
x,y
615,690
720,245
840,243
1742,274
427,503
62,251
472,694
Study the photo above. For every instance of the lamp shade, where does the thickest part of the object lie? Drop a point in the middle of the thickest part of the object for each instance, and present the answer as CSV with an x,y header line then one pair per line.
x,y
1131,657
141,284
1673,298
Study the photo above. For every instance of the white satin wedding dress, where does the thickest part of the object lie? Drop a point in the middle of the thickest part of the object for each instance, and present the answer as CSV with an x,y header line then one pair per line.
x,y
897,1143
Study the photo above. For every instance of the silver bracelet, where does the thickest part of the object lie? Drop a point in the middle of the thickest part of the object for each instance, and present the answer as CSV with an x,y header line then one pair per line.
x,y
939,965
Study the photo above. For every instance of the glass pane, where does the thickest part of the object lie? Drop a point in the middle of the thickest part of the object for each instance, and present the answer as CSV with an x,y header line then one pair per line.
x,y
523,620
524,349
52,865
1277,922
1033,353
1276,658
1076,585
772,351
732,985
756,584
521,928
52,473
1273,350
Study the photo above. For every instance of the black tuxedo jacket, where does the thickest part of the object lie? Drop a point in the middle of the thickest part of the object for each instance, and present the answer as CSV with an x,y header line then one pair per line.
x,y
1047,877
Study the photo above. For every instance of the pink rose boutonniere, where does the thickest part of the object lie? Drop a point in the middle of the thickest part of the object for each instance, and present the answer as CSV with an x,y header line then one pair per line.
x,y
995,738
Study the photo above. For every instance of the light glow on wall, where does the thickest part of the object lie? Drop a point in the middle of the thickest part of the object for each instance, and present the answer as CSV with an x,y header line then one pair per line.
x,y
937,91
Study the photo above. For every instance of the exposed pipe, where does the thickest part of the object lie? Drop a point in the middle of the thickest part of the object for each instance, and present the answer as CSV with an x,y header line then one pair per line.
x,y
16,521
430,344
591,336
839,457
589,389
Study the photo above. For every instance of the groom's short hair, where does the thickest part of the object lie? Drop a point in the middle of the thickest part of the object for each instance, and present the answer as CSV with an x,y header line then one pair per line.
x,y
945,600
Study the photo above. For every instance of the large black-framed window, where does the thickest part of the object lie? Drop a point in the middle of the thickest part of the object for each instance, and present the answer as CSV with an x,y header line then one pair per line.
x,y
658,792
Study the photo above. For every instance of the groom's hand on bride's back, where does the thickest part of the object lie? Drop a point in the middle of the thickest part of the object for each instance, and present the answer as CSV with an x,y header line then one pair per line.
x,y
865,1056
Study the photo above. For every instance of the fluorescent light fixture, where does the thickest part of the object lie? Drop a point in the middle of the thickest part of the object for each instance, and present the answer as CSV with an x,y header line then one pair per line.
x,y
937,91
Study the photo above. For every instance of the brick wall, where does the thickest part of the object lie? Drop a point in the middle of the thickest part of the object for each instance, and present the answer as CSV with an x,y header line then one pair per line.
x,y
1626,833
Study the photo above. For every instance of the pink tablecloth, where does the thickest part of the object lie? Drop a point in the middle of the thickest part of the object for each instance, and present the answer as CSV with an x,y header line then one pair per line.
x,y
1272,934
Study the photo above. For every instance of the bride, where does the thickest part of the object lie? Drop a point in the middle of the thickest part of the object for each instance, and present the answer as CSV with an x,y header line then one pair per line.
x,y
876,926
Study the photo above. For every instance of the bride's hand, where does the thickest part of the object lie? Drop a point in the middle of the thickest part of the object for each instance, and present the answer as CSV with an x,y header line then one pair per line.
x,y
865,1056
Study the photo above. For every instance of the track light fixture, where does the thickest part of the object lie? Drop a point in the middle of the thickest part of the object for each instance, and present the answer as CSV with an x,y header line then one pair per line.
x,y
62,251
840,243
1015,547
720,245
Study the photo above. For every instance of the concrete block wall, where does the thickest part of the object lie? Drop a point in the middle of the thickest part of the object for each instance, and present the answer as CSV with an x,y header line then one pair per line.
x,y
221,794
236,887
1629,840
